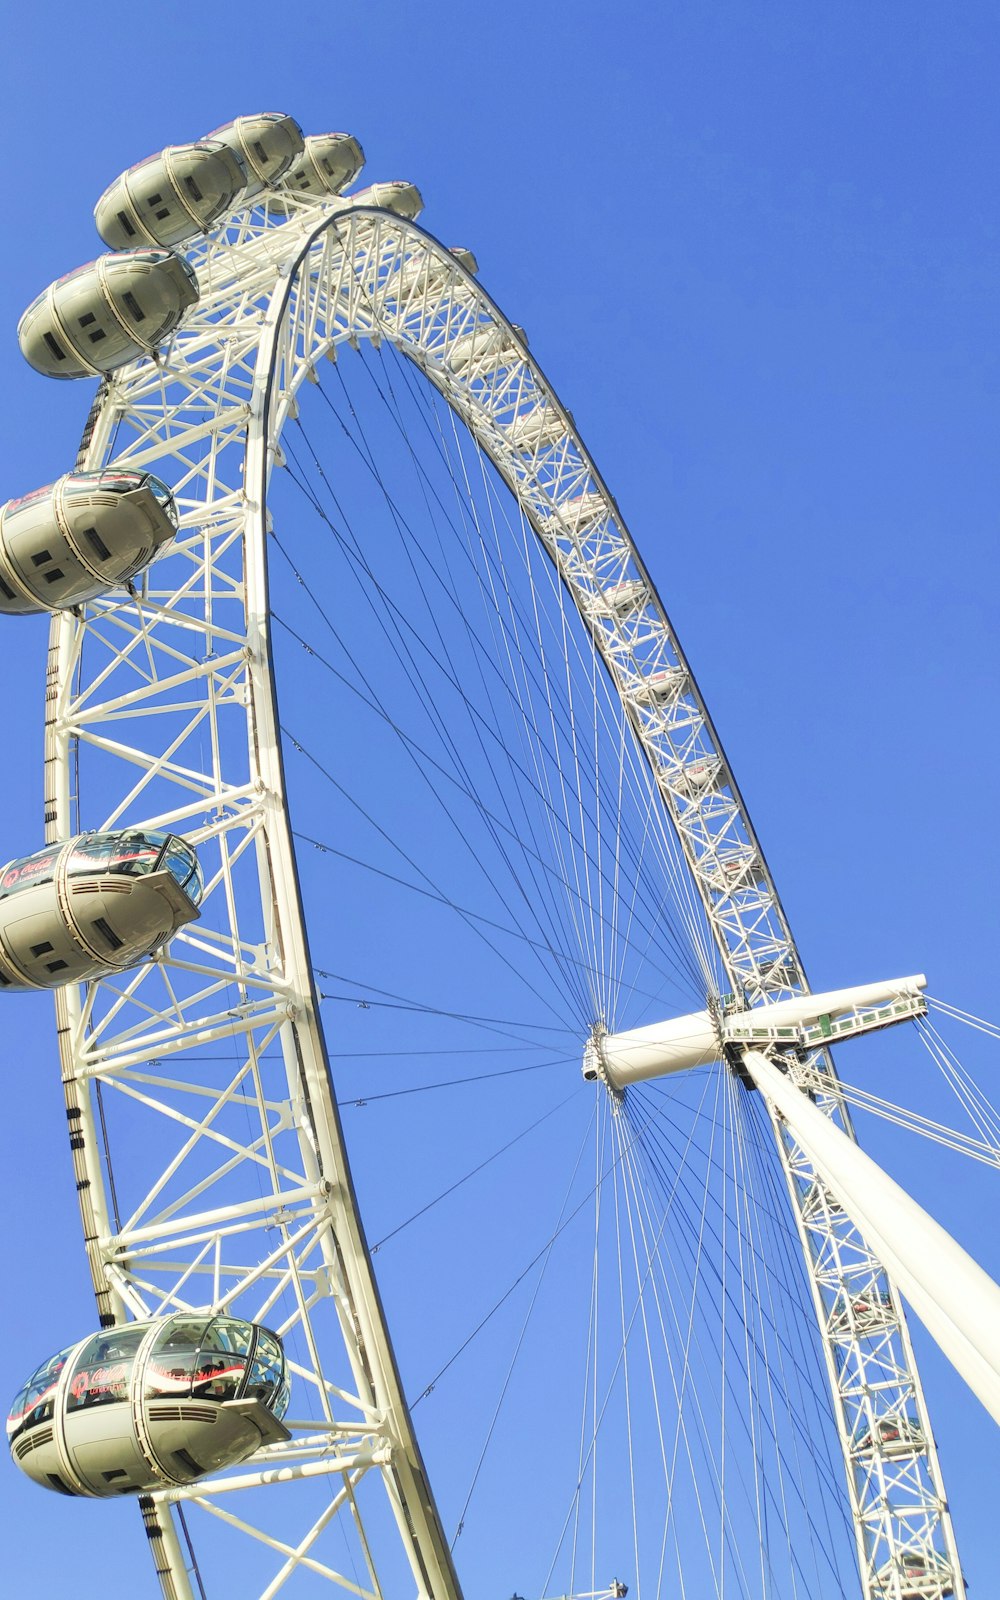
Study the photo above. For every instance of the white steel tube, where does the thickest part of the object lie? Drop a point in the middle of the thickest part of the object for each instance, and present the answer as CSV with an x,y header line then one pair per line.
x,y
802,1008
661,1048
958,1303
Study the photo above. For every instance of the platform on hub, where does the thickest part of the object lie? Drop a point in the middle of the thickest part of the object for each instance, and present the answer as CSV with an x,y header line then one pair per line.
x,y
703,1038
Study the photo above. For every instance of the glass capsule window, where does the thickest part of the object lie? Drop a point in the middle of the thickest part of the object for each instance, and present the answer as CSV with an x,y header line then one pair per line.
x,y
101,1372
228,127
201,1375
26,313
192,1357
91,853
30,499
181,1335
199,1358
230,1334
222,1359
113,482
145,162
174,1361
35,1402
118,482
218,1377
132,855
267,1374
163,494
279,1405
136,854
78,484
144,253
27,872
67,277
180,860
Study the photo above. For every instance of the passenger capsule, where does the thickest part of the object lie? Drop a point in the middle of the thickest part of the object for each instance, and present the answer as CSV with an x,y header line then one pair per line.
x,y
106,313
81,536
267,144
700,776
150,1404
866,1313
621,599
895,1434
659,687
328,163
171,196
98,904
578,514
781,973
739,868
403,198
427,273
915,1575
488,348
536,429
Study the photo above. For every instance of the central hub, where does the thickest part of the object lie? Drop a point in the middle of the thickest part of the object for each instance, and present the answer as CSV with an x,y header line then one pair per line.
x,y
652,1052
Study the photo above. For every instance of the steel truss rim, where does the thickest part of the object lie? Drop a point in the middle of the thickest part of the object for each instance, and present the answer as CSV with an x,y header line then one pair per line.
x,y
267,391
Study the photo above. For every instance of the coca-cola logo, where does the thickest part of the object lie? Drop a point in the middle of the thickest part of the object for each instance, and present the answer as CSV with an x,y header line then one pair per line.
x,y
27,499
23,872
99,1381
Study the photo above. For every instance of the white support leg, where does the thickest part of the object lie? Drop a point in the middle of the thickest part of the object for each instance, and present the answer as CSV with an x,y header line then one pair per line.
x,y
958,1303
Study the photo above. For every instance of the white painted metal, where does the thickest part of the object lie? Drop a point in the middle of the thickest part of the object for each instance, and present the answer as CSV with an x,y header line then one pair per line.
x,y
958,1303
681,1043
366,1337
189,654
637,1054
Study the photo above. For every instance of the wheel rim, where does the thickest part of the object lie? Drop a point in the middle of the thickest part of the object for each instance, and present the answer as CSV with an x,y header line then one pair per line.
x,y
747,919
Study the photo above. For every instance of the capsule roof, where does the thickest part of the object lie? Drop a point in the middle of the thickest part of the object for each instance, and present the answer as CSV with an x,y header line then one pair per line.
x,y
328,163
132,853
107,312
169,1369
115,480
267,143
399,196
141,254
171,196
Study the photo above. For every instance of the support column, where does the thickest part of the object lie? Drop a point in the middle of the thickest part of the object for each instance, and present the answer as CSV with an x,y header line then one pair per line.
x,y
958,1303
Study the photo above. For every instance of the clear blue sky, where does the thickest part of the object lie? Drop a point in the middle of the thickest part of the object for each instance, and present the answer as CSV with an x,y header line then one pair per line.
x,y
755,247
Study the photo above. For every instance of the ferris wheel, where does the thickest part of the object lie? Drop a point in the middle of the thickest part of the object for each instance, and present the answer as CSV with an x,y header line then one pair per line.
x,y
493,790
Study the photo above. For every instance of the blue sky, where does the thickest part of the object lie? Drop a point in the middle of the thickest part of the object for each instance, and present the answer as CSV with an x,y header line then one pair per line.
x,y
755,248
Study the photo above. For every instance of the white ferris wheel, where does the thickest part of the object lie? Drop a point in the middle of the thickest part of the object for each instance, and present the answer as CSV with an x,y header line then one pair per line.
x,y
642,1322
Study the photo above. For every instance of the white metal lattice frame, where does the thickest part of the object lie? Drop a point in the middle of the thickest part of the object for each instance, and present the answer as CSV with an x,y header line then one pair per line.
x,y
254,1208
